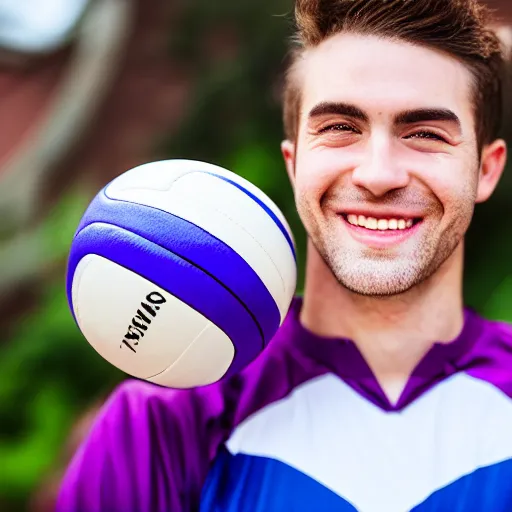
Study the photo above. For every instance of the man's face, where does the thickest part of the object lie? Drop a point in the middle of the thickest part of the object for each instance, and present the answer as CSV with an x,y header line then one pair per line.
x,y
386,168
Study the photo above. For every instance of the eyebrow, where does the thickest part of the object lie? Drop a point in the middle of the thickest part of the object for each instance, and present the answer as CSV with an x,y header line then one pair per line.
x,y
341,109
414,116
422,115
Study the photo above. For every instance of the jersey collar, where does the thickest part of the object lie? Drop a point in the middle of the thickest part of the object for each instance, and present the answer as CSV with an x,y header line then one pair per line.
x,y
342,357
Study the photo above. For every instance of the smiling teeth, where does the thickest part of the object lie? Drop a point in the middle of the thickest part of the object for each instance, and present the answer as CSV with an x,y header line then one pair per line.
x,y
380,224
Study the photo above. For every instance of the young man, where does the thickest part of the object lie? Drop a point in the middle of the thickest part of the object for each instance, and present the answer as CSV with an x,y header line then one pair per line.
x,y
381,392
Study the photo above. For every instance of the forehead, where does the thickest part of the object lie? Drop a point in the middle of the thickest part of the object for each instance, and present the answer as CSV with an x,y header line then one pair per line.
x,y
384,76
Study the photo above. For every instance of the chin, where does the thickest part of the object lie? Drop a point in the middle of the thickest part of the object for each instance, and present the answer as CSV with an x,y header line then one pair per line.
x,y
380,290
374,283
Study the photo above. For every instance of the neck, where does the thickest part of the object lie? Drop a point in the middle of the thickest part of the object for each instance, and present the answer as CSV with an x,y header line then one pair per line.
x,y
393,333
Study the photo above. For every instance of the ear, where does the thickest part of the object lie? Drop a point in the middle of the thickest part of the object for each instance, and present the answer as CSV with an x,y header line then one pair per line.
x,y
288,149
494,158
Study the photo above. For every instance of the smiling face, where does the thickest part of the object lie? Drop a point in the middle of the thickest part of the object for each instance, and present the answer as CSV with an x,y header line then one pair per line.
x,y
385,168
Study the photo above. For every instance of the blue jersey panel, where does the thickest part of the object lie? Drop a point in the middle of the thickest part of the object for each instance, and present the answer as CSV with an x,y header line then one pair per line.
x,y
239,483
486,490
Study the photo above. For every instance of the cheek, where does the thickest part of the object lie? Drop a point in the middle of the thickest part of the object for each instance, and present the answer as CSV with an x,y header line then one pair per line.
x,y
312,179
455,187
317,170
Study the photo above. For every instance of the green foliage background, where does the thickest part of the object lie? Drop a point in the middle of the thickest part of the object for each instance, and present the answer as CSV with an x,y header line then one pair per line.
x,y
48,373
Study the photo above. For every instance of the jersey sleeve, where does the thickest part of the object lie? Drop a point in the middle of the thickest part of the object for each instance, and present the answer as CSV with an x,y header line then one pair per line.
x,y
149,450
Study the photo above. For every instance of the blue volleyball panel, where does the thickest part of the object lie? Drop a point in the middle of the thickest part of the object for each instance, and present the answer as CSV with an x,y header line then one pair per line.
x,y
180,278
195,245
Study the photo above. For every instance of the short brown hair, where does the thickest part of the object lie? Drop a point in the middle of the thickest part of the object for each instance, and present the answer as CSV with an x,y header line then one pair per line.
x,y
460,28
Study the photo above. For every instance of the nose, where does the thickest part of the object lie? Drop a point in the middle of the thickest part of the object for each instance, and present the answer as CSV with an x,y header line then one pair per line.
x,y
381,170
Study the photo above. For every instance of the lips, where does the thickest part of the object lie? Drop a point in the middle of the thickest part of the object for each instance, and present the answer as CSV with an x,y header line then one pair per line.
x,y
381,232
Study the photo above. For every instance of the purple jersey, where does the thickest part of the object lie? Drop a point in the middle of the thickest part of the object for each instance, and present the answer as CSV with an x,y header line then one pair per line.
x,y
307,427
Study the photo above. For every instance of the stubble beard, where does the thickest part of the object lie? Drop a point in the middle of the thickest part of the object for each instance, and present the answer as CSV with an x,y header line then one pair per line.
x,y
369,273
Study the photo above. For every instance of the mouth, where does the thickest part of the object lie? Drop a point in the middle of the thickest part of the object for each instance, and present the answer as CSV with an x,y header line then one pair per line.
x,y
380,232
381,224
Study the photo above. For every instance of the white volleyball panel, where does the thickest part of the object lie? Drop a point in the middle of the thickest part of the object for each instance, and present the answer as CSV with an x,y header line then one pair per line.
x,y
132,323
253,189
151,176
206,361
158,175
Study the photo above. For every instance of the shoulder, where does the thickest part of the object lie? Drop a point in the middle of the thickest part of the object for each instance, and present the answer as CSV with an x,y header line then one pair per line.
x,y
147,447
490,358
494,339
147,413
138,402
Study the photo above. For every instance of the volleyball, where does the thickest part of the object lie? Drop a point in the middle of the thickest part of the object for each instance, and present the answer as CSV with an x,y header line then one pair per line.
x,y
181,272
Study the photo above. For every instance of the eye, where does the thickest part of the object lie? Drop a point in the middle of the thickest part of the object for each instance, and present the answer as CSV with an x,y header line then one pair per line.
x,y
340,127
426,135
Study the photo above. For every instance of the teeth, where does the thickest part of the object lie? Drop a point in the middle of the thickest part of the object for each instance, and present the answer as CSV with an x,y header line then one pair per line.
x,y
380,224
371,223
